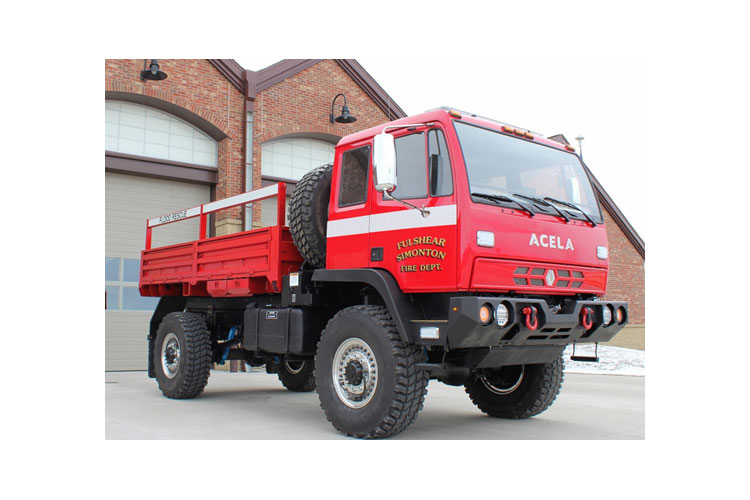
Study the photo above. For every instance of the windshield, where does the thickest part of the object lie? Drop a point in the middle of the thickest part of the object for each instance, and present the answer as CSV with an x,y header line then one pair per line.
x,y
498,164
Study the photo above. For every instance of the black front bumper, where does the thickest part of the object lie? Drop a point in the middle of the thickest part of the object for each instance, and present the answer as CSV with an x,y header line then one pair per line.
x,y
464,330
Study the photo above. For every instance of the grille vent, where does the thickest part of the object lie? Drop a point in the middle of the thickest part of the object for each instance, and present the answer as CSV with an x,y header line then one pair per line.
x,y
522,276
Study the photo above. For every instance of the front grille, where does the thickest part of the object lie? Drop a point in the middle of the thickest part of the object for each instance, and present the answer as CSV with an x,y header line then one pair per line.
x,y
522,277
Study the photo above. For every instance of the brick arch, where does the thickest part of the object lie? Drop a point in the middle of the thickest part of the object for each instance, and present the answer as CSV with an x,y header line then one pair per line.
x,y
210,123
322,133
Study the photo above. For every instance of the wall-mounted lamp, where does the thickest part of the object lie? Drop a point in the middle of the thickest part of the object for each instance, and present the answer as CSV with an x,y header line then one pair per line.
x,y
153,72
345,116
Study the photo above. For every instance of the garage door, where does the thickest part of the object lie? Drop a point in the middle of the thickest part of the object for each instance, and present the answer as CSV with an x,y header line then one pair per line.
x,y
129,201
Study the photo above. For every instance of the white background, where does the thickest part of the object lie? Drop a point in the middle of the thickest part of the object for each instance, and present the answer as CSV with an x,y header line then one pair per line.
x,y
694,126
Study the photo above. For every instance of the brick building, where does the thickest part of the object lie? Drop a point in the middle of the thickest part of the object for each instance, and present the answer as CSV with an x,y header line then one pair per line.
x,y
212,129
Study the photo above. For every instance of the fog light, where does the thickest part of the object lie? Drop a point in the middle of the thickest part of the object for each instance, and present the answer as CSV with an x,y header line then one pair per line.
x,y
502,315
429,332
485,314
607,315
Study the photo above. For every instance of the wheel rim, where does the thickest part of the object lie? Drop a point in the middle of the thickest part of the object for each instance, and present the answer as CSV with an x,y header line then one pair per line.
x,y
170,355
294,367
505,381
355,373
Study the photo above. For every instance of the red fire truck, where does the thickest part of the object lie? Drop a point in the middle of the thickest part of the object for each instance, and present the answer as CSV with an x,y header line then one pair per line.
x,y
444,246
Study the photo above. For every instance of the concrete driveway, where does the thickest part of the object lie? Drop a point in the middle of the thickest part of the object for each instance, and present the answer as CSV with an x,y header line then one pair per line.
x,y
255,406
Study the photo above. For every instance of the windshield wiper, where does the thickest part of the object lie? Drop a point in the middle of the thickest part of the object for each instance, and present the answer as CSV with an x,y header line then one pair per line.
x,y
570,205
498,197
544,203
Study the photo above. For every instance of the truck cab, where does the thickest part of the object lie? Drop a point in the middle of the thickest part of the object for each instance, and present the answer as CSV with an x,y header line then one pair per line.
x,y
480,220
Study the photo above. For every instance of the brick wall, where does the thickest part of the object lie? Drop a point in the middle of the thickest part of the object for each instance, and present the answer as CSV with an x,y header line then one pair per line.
x,y
626,280
302,104
197,86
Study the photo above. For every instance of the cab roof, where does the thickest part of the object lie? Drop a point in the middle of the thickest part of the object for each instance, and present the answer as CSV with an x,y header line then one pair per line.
x,y
444,115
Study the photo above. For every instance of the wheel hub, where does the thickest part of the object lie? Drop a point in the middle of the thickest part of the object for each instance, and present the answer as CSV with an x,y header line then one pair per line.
x,y
294,367
355,373
170,359
505,380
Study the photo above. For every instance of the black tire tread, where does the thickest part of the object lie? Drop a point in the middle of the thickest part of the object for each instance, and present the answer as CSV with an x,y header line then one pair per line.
x,y
197,364
300,382
552,376
411,383
307,237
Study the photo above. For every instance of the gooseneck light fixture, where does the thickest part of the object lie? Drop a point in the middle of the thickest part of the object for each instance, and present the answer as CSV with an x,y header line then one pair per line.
x,y
580,146
153,72
345,116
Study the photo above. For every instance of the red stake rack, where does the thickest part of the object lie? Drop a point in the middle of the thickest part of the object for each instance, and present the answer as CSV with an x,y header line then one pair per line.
x,y
240,264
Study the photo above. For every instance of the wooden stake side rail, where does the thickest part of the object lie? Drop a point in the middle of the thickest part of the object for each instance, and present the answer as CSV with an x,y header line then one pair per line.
x,y
240,264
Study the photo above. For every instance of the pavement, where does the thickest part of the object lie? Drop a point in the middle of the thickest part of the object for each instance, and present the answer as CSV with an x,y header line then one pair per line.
x,y
255,405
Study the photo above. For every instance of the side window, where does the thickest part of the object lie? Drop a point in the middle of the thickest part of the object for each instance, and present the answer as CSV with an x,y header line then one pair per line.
x,y
441,182
411,174
355,166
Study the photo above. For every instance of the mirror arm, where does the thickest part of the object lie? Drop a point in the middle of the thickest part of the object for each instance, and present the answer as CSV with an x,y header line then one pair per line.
x,y
422,210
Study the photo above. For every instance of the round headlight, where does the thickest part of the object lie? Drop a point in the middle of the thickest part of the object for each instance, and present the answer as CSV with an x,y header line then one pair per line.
x,y
607,315
501,313
485,314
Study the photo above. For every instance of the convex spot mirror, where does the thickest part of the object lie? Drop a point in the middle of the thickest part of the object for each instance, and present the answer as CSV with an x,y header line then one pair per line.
x,y
384,162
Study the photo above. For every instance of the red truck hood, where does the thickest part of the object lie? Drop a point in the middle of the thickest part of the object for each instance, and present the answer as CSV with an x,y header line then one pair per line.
x,y
528,248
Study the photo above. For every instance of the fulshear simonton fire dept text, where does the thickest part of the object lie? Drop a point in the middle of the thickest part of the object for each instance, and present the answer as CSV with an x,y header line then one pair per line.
x,y
421,252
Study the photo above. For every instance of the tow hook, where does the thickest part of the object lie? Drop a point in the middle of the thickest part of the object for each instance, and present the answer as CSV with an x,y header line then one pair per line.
x,y
587,319
531,321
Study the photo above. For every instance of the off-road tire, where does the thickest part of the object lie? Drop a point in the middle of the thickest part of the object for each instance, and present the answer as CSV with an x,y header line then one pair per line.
x,y
399,392
537,391
191,372
298,378
308,214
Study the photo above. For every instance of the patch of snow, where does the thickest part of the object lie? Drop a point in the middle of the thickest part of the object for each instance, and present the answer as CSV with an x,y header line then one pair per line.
x,y
612,360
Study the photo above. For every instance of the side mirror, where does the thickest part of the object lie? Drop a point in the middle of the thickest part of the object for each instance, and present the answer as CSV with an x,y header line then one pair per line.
x,y
384,162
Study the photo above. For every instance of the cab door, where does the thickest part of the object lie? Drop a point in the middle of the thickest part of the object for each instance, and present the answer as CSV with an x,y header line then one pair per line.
x,y
348,227
418,250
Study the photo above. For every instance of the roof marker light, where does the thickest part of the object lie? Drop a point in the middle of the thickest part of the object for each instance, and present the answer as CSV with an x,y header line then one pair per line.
x,y
570,148
454,114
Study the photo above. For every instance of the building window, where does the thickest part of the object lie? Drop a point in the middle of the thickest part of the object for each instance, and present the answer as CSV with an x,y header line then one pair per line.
x,y
293,158
121,286
143,131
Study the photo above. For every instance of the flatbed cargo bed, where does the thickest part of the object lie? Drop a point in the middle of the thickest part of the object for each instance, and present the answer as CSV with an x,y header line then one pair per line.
x,y
234,265
240,264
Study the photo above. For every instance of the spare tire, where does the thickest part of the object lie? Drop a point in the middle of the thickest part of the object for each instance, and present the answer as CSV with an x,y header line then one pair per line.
x,y
308,214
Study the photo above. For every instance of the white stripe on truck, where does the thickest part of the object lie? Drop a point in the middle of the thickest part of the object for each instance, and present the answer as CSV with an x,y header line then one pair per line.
x,y
392,221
